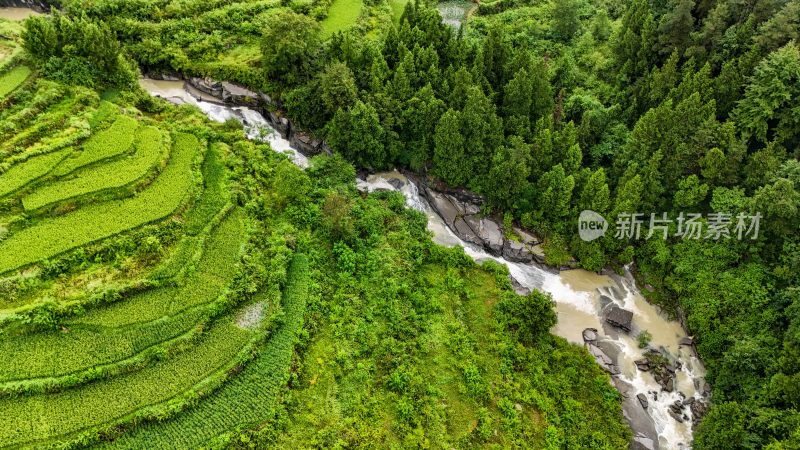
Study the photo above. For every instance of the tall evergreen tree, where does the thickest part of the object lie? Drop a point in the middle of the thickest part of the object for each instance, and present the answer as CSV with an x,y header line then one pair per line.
x,y
675,27
450,160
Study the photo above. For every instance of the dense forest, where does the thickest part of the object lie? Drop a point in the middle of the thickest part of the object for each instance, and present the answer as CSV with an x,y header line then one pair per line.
x,y
546,108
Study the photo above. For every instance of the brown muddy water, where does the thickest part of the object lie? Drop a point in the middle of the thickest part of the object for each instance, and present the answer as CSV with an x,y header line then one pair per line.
x,y
16,13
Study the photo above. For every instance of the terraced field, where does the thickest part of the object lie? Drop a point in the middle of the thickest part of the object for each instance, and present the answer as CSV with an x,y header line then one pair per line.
x,y
125,266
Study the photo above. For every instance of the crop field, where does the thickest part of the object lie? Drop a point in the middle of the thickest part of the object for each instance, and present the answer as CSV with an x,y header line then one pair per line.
x,y
246,399
148,151
122,271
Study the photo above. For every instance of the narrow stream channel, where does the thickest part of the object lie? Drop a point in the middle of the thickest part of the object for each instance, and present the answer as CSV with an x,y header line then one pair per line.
x,y
581,297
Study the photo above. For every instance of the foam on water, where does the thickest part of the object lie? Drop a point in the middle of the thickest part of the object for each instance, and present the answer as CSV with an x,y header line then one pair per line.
x,y
255,125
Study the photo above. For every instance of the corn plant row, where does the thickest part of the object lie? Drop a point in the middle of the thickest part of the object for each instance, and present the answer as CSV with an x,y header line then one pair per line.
x,y
53,236
214,195
150,151
109,143
13,79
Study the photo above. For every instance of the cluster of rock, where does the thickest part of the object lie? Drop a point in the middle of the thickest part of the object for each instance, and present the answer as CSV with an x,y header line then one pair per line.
x,y
664,373
645,435
461,211
232,94
36,5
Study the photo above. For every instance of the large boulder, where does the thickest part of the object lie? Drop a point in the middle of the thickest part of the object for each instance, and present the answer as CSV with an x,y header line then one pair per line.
x,y
642,400
207,86
590,335
305,143
466,232
489,234
280,123
603,360
444,207
518,288
238,95
619,317
641,442
164,76
492,235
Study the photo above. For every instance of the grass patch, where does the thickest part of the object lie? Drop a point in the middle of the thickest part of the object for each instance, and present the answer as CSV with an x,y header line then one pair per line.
x,y
341,15
13,79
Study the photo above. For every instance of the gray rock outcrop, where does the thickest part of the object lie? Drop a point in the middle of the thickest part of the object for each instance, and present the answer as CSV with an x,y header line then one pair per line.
x,y
461,211
620,318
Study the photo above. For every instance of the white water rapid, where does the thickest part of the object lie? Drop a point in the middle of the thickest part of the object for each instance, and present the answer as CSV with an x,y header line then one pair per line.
x,y
255,125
